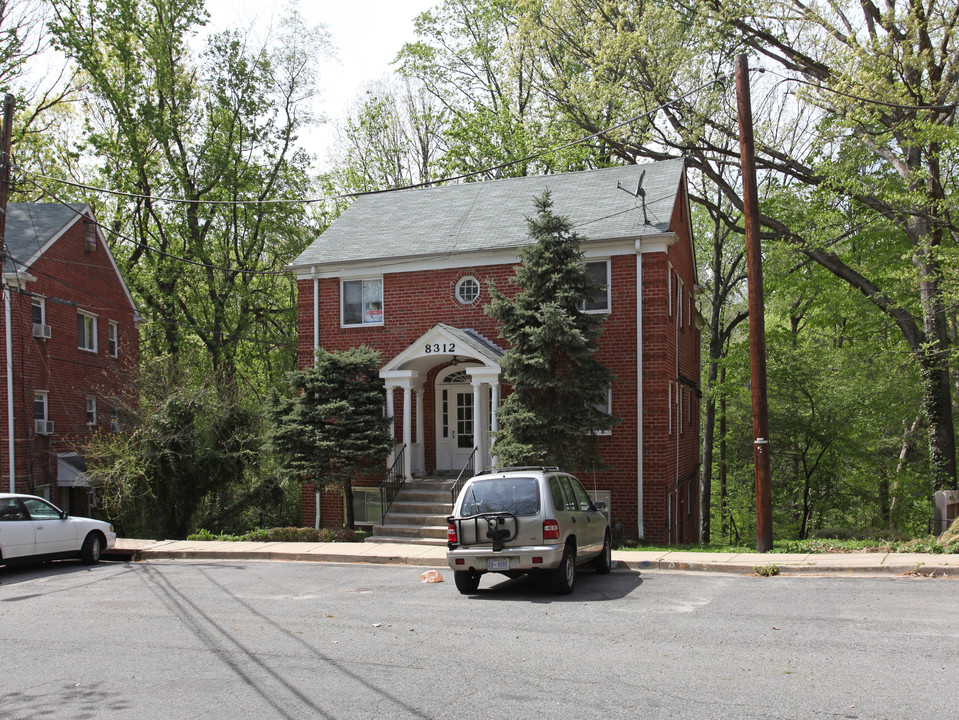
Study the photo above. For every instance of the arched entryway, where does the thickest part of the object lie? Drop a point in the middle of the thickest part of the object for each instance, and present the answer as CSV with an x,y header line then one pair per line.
x,y
465,398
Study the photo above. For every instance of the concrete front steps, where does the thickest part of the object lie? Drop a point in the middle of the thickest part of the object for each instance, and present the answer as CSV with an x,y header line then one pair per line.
x,y
418,514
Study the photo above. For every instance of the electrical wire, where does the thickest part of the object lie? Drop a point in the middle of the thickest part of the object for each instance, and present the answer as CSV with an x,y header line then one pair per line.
x,y
429,183
850,96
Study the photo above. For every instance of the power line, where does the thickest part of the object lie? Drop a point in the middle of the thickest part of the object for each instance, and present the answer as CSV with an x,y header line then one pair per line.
x,y
859,98
150,248
347,196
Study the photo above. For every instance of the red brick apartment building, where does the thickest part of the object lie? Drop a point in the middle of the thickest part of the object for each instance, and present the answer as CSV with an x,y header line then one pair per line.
x,y
407,273
70,350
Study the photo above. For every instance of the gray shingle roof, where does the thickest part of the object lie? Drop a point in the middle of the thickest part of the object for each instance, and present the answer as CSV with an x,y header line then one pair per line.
x,y
30,226
492,215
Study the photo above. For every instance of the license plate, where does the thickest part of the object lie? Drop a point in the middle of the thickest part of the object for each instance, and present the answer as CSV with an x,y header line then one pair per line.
x,y
497,565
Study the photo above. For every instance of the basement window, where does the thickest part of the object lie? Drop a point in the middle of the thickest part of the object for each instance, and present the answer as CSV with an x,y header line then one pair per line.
x,y
366,506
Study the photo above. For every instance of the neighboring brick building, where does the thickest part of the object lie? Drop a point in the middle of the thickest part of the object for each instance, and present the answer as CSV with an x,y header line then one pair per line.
x,y
407,273
74,350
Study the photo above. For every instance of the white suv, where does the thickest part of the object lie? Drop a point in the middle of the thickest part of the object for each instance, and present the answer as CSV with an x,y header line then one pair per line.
x,y
522,520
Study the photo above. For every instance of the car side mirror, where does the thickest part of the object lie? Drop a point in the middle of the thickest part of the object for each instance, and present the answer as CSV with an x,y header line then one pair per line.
x,y
599,506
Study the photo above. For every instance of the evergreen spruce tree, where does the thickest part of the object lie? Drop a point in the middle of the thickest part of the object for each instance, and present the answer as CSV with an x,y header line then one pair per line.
x,y
553,413
333,426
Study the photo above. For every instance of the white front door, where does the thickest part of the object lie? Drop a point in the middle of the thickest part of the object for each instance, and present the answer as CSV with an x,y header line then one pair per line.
x,y
455,421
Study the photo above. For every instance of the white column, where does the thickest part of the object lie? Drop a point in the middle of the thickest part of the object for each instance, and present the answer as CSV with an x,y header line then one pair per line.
x,y
389,413
408,428
480,377
420,455
480,435
494,420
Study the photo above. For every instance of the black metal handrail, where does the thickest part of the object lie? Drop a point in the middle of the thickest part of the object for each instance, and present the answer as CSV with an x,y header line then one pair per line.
x,y
390,487
468,471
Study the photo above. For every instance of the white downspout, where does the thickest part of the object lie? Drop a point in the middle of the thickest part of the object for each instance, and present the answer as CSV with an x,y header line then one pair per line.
x,y
316,312
639,391
10,432
316,346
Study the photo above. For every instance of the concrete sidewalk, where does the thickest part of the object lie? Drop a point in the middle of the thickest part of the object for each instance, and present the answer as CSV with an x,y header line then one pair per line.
x,y
435,556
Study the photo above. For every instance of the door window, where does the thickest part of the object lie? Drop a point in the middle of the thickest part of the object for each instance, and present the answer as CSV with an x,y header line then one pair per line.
x,y
464,420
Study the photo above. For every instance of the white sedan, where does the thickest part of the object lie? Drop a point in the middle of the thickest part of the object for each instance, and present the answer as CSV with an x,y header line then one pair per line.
x,y
33,529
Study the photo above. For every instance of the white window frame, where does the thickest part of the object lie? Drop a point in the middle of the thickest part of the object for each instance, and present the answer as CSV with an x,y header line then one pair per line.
x,y
679,300
115,424
91,409
363,322
357,492
44,397
93,330
609,295
669,287
669,404
40,302
113,339
460,286
608,410
680,392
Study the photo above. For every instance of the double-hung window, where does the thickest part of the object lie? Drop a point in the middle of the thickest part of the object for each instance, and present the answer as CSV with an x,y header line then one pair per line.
x,y
91,410
87,331
605,407
113,339
598,272
38,310
362,302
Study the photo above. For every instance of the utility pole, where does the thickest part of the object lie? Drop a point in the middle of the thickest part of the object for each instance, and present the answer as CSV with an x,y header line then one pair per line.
x,y
5,141
5,167
757,321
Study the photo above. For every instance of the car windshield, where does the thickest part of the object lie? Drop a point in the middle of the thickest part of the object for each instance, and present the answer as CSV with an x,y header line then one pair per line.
x,y
517,495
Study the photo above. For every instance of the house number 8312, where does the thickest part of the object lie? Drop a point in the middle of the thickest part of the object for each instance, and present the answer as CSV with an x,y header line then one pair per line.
x,y
440,348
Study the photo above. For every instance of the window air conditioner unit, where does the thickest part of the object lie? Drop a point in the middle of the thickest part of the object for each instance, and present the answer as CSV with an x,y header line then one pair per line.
x,y
43,427
41,331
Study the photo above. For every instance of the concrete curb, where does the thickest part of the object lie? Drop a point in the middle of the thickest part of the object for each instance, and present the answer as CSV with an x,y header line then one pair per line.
x,y
831,565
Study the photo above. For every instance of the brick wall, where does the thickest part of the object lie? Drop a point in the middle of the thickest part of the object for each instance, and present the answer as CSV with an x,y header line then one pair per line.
x,y
70,279
415,301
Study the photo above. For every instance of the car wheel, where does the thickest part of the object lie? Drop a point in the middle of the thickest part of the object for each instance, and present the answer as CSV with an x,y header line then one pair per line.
x,y
604,562
92,546
564,577
466,581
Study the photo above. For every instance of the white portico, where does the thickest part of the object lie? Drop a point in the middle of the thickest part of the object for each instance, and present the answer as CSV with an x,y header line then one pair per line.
x,y
466,397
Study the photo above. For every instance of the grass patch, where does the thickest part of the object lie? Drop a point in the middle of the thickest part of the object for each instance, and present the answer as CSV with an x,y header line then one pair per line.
x,y
929,544
286,534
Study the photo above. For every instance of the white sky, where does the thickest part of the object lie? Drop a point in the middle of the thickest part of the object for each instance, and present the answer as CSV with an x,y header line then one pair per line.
x,y
367,35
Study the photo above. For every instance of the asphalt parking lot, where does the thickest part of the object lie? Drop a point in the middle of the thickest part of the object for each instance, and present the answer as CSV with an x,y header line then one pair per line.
x,y
242,638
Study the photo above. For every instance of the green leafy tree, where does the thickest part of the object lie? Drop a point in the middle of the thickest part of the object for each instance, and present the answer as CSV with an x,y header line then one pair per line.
x,y
216,131
332,427
558,387
856,121
190,440
392,138
471,55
